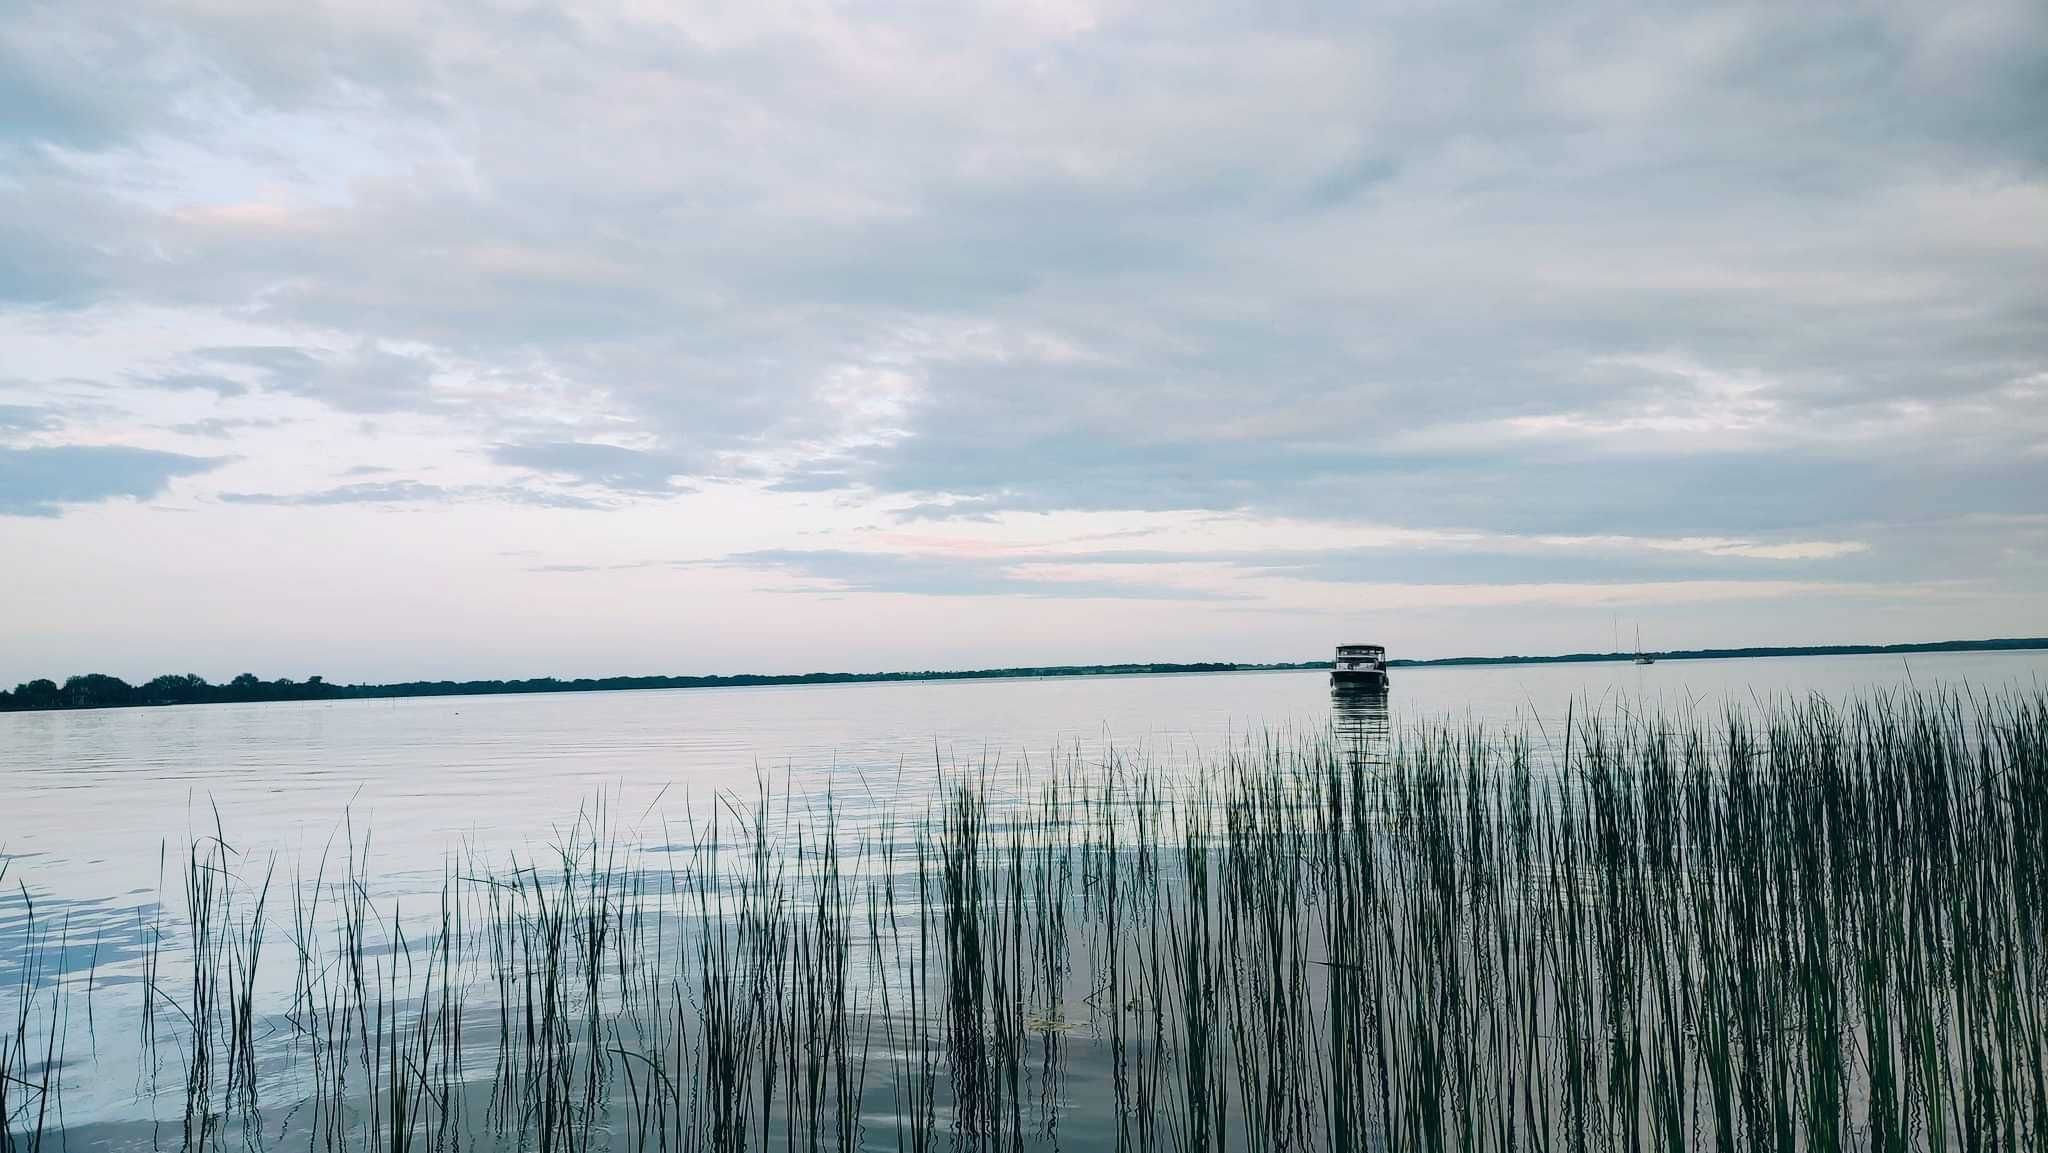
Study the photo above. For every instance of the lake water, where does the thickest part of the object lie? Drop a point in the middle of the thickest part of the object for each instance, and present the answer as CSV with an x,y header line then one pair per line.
x,y
87,799
91,801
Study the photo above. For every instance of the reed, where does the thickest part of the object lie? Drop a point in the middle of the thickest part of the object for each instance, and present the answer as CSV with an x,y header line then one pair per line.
x,y
28,1050
1801,925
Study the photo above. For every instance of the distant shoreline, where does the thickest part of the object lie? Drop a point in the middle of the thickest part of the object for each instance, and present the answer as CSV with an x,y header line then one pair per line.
x,y
1994,645
99,691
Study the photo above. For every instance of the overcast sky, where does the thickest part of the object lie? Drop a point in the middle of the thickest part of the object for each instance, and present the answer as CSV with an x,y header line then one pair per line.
x,y
390,338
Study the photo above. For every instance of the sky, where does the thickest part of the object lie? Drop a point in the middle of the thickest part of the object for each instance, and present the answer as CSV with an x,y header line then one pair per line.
x,y
381,339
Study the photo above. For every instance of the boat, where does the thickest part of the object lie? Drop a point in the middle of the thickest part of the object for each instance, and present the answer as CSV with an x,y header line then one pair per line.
x,y
1364,665
1642,658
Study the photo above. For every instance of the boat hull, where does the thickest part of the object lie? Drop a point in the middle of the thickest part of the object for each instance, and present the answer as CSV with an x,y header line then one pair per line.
x,y
1364,677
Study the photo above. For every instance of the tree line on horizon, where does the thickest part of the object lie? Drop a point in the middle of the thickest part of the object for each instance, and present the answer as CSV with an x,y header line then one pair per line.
x,y
101,691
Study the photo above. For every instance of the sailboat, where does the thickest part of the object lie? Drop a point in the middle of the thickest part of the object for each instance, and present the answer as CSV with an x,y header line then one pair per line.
x,y
1642,658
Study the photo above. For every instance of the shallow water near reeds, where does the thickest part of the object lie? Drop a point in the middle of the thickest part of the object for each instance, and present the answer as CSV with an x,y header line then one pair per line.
x,y
1033,913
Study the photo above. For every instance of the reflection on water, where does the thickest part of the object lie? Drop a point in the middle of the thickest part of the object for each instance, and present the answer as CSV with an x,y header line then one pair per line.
x,y
1361,720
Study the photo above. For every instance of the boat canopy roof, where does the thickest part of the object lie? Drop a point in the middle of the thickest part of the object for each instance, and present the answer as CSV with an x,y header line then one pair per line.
x,y
1359,650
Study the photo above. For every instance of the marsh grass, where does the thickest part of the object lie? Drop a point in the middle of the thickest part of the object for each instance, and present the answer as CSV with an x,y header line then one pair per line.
x,y
1801,926
28,1069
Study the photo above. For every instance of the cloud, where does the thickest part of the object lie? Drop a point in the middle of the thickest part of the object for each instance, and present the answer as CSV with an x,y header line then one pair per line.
x,y
836,570
196,382
16,418
365,379
851,270
1247,559
270,360
583,568
1785,550
607,466
221,428
408,492
44,481
1332,583
393,492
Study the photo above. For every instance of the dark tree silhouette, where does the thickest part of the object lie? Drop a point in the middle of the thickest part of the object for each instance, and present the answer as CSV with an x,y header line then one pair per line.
x,y
97,691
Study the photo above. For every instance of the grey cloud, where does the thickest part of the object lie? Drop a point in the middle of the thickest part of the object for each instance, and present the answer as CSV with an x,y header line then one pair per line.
x,y
1493,204
813,480
583,568
398,492
42,481
86,84
365,379
394,492
25,418
546,498
370,381
272,360
944,576
223,427
1893,560
63,241
196,382
976,508
1641,495
601,465
1467,564
1920,555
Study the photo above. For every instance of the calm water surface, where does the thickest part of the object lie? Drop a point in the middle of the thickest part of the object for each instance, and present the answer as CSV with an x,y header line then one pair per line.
x,y
88,798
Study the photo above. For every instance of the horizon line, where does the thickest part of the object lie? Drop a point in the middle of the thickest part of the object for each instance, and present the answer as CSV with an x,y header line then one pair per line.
x,y
101,690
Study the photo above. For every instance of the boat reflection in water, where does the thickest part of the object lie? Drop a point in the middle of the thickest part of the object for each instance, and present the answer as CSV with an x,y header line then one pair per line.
x,y
1360,720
